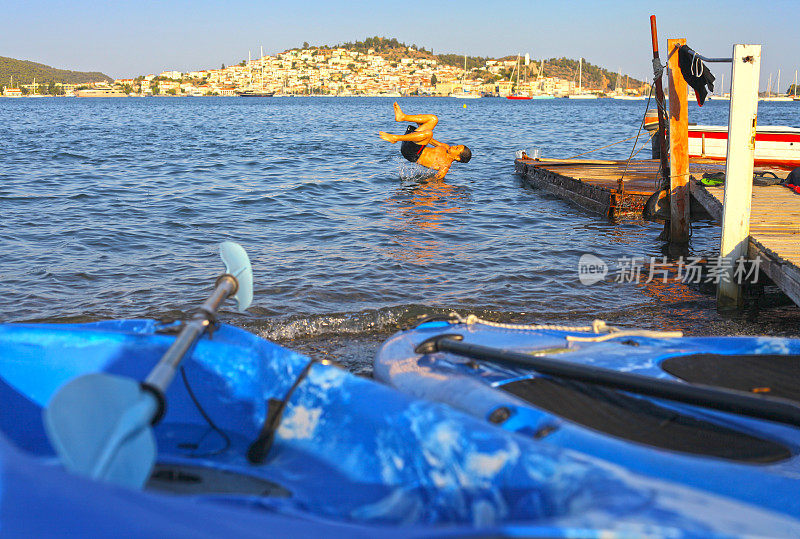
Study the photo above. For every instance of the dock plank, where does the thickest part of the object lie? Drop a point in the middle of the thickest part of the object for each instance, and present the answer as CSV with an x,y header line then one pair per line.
x,y
615,189
774,230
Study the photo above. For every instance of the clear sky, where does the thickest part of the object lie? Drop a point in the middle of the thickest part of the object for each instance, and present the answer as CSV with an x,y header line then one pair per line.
x,y
129,38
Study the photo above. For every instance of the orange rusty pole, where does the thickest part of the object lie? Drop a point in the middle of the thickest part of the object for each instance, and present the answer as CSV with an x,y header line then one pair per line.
x,y
678,146
660,102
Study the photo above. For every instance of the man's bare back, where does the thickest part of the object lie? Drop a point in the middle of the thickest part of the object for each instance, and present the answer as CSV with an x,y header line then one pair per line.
x,y
438,156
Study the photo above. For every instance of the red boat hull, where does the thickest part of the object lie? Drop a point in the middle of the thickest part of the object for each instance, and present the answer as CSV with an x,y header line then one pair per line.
x,y
775,146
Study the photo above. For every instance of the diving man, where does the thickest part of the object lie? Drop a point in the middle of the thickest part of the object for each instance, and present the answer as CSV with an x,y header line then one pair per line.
x,y
439,156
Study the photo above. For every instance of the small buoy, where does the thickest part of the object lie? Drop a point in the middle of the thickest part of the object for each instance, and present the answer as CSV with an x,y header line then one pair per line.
x,y
465,105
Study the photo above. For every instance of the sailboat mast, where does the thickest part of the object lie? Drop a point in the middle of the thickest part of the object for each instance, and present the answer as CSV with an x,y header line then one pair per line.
x,y
778,83
514,71
580,75
527,63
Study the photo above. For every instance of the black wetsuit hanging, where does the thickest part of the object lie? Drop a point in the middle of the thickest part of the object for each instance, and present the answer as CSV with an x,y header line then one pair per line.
x,y
690,66
411,150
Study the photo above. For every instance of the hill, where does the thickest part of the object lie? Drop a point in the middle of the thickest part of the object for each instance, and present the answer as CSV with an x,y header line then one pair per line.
x,y
24,72
594,77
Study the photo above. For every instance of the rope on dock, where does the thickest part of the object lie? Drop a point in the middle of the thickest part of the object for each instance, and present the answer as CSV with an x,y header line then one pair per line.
x,y
628,333
641,124
598,327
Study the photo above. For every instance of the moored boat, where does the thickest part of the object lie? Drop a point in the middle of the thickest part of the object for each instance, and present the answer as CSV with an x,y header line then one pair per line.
x,y
10,91
249,92
100,92
465,95
774,145
696,442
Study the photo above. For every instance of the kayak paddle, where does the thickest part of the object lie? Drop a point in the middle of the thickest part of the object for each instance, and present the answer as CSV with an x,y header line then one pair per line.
x,y
727,400
100,424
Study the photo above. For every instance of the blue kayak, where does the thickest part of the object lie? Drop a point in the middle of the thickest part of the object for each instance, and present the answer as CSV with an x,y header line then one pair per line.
x,y
731,428
350,457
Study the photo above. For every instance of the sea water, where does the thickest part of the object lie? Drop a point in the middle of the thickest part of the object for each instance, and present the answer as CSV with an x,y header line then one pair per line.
x,y
114,208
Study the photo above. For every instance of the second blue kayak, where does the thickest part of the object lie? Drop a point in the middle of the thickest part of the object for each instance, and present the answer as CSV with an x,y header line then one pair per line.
x,y
749,458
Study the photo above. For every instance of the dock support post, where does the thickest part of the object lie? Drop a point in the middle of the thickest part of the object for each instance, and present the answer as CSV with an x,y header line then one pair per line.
x,y
678,146
739,169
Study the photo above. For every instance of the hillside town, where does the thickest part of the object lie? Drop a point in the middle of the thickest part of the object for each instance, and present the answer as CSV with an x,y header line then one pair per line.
x,y
341,71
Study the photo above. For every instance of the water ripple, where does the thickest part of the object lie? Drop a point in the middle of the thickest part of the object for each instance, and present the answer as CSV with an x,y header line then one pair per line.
x,y
114,208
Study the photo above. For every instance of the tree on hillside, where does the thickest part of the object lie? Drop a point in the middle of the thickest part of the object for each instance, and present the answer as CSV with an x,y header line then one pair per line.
x,y
434,80
457,60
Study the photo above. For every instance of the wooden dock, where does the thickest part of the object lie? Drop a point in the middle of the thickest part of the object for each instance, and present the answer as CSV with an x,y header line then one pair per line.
x,y
609,189
614,189
774,230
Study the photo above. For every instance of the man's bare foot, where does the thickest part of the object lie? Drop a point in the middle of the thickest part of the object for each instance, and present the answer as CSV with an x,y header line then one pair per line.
x,y
398,114
388,137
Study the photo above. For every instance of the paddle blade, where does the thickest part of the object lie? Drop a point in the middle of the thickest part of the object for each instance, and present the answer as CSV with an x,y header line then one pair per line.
x,y
99,425
237,264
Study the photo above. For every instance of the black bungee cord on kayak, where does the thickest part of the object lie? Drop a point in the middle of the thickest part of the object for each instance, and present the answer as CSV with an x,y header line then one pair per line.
x,y
170,326
732,401
208,419
259,449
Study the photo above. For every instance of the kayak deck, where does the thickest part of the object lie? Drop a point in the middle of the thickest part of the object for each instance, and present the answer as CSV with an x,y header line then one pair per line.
x,y
751,459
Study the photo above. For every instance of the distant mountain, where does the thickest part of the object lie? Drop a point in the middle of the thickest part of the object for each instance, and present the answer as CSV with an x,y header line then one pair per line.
x,y
24,72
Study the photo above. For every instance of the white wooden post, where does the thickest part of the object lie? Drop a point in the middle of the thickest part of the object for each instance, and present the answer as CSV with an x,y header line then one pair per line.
x,y
739,168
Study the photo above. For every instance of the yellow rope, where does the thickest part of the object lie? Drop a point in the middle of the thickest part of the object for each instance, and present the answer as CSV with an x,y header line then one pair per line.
x,y
644,145
602,331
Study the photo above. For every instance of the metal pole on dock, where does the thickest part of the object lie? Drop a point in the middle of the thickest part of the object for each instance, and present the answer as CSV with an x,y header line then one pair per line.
x,y
661,104
739,169
678,146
